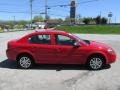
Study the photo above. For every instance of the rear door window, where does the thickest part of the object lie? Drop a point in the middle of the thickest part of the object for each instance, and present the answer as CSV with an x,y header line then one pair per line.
x,y
40,39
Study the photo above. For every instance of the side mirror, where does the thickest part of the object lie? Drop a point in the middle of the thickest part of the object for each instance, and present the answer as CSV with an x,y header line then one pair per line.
x,y
76,44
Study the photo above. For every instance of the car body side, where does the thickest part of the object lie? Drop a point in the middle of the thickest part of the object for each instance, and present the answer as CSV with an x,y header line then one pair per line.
x,y
76,55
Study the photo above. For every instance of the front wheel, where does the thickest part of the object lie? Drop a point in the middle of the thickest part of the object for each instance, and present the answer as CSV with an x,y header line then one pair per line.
x,y
95,62
25,61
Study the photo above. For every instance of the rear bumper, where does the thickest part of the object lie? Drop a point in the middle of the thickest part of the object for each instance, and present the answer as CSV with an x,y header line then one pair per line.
x,y
10,55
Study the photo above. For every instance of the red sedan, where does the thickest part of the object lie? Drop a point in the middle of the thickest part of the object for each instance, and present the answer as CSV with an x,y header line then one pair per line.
x,y
58,47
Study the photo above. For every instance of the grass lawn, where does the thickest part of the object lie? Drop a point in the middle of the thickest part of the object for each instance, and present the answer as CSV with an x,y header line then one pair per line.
x,y
92,29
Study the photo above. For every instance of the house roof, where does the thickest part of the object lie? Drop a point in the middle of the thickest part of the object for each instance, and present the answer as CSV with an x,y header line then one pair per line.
x,y
53,21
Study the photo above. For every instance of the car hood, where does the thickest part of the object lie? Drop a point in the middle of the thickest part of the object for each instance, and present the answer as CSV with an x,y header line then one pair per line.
x,y
98,45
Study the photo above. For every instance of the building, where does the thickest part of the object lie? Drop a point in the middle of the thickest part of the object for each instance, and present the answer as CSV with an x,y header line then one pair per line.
x,y
53,23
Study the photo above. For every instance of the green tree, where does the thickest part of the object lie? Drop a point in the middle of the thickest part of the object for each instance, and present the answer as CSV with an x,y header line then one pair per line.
x,y
86,20
104,20
48,17
60,19
22,22
98,20
10,24
37,19
67,20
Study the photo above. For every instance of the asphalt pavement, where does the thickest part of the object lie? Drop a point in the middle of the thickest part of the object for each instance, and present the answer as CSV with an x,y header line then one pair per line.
x,y
59,77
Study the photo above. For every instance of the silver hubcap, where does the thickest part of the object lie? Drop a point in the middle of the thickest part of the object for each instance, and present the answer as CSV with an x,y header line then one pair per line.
x,y
95,63
25,62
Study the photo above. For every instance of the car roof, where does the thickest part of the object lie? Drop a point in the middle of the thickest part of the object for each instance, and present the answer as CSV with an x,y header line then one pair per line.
x,y
44,31
47,31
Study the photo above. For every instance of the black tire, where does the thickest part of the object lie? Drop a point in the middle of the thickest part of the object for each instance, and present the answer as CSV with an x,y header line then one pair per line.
x,y
95,63
25,61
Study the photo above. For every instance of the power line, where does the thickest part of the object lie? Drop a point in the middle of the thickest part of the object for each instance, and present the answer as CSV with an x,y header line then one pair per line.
x,y
13,12
21,12
46,8
46,12
7,4
89,1
57,15
66,11
65,5
60,5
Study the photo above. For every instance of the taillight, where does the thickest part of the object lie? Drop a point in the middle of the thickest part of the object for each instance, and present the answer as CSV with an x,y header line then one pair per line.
x,y
8,45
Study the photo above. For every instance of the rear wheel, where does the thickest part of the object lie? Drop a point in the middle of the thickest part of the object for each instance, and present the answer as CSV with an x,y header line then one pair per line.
x,y
96,62
25,61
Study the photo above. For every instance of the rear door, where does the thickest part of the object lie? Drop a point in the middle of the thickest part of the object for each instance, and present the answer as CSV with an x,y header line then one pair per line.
x,y
42,48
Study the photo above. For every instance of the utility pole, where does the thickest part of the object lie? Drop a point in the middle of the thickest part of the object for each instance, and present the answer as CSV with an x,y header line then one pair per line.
x,y
46,7
13,21
31,12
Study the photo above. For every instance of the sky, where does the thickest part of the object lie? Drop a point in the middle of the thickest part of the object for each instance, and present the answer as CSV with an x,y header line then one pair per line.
x,y
20,9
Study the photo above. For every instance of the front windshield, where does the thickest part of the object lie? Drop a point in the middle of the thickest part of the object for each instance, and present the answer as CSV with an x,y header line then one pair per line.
x,y
80,39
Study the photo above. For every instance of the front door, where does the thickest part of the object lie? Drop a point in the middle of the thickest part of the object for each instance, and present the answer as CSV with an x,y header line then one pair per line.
x,y
66,52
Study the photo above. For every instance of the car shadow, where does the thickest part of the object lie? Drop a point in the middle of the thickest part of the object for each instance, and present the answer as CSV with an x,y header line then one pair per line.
x,y
8,64
13,65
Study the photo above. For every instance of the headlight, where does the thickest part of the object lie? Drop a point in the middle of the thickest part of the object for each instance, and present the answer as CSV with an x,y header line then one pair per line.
x,y
110,50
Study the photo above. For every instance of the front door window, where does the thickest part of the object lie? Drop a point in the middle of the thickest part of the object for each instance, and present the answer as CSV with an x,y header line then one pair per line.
x,y
64,40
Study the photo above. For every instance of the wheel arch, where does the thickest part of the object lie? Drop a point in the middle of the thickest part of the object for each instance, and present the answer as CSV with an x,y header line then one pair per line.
x,y
97,54
25,53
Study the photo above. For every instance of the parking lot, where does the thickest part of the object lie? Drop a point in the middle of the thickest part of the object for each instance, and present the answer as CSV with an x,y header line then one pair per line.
x,y
59,77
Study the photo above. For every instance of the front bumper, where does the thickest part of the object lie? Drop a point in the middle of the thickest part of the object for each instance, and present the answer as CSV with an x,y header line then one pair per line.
x,y
111,58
